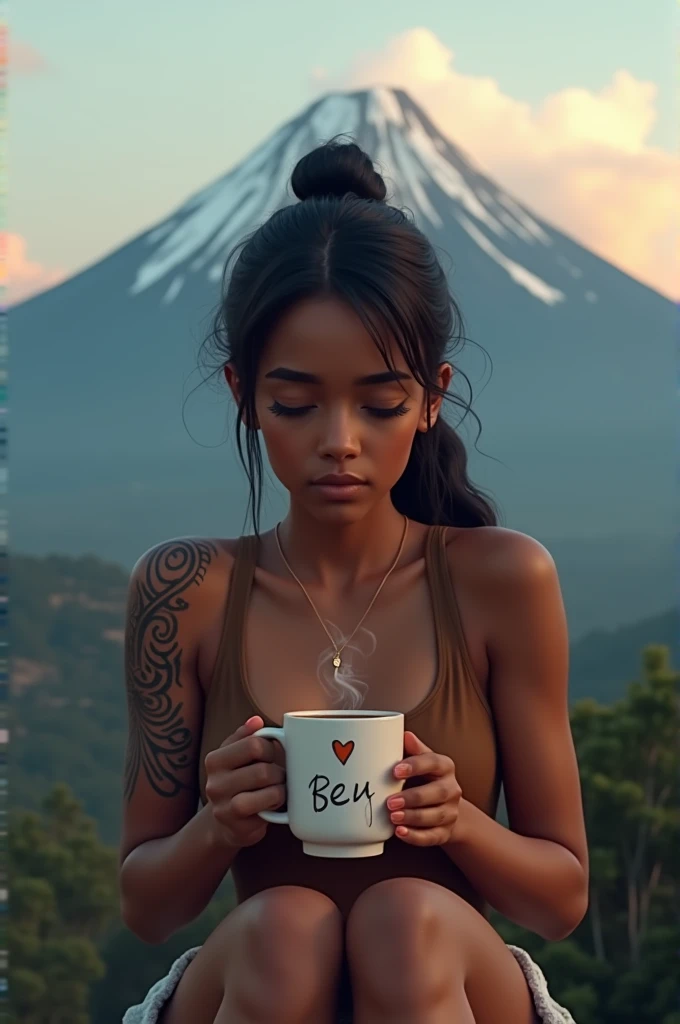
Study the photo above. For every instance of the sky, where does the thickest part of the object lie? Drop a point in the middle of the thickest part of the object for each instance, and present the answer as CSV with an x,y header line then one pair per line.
x,y
119,112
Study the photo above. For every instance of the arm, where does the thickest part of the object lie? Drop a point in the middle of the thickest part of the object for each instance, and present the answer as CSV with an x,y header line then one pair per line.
x,y
172,859
536,873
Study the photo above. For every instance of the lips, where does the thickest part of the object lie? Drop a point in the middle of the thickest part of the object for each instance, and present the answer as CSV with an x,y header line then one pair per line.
x,y
339,486
339,480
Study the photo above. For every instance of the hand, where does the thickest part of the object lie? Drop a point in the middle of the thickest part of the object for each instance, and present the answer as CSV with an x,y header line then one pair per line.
x,y
242,778
425,814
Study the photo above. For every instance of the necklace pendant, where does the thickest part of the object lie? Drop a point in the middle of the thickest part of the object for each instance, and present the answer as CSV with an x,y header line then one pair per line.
x,y
337,661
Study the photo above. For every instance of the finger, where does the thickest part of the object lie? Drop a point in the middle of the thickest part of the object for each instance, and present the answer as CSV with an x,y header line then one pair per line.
x,y
252,777
429,794
244,751
422,836
245,805
252,725
414,745
424,764
426,817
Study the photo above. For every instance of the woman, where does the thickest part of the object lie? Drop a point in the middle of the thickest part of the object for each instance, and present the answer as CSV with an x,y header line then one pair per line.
x,y
388,582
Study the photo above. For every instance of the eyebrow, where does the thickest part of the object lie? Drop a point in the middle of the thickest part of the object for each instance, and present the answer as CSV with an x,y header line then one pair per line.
x,y
300,377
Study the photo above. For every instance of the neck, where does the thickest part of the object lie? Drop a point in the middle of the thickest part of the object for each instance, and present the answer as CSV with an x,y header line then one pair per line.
x,y
342,555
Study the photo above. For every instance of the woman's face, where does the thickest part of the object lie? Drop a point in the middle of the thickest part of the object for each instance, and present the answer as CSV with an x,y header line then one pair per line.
x,y
338,425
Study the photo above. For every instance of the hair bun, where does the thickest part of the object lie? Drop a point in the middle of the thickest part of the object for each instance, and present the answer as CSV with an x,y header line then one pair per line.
x,y
336,169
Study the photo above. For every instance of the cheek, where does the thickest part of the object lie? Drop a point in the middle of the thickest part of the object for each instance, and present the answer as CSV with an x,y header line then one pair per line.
x,y
392,447
285,447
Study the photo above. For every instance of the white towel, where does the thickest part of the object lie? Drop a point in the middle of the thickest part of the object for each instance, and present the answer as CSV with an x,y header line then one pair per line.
x,y
158,995
547,1009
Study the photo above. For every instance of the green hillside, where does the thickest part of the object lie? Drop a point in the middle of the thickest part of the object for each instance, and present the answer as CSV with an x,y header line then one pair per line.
x,y
68,707
604,661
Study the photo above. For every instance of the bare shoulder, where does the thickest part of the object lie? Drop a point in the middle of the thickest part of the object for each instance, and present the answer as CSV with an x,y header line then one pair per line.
x,y
183,575
510,583
185,551
498,559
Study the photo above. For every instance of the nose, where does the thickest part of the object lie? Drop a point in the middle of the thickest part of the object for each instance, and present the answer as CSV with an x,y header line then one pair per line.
x,y
339,439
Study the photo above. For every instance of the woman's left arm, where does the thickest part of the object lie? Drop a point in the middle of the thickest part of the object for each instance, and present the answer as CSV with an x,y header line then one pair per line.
x,y
536,872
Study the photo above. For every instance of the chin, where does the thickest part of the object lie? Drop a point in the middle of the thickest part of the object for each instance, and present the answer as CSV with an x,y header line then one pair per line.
x,y
340,513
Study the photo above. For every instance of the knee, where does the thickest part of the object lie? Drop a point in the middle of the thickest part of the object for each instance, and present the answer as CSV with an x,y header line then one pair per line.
x,y
289,942
403,911
290,926
399,943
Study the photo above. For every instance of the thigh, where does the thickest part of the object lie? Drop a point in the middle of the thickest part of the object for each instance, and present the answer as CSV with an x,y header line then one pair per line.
x,y
282,923
494,982
200,991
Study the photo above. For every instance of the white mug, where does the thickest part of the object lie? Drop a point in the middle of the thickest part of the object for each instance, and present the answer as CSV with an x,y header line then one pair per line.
x,y
339,775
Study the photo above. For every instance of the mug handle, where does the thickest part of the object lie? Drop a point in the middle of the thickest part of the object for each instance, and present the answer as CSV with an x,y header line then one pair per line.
x,y
272,732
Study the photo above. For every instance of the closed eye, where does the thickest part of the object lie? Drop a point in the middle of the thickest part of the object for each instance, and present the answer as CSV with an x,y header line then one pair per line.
x,y
383,413
289,410
380,412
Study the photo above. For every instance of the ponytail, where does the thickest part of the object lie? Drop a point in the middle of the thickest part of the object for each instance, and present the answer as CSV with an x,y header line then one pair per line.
x,y
435,488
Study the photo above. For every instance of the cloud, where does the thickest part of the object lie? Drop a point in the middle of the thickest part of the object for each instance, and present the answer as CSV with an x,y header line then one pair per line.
x,y
21,277
319,76
581,159
24,59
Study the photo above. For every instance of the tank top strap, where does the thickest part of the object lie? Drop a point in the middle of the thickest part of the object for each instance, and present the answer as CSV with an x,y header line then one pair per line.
x,y
445,607
229,654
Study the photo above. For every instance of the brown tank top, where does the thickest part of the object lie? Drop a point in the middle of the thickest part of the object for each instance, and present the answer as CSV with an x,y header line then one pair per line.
x,y
453,719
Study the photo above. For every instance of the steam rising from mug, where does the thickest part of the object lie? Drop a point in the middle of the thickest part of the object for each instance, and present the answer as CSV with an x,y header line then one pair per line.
x,y
343,687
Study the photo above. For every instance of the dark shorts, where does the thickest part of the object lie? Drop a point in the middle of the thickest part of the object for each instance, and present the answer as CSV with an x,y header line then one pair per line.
x,y
345,1013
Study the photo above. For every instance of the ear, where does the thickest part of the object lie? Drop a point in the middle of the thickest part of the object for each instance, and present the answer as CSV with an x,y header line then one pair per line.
x,y
234,385
432,403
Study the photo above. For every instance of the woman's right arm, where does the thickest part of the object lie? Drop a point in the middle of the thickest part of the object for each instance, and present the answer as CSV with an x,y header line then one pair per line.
x,y
173,858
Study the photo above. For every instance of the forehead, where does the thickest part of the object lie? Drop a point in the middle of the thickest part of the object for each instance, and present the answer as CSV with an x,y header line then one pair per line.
x,y
326,337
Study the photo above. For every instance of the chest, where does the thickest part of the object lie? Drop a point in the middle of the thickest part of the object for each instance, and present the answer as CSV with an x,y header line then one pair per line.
x,y
391,662
266,652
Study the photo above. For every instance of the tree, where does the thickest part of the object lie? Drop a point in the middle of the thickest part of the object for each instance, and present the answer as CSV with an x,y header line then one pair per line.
x,y
622,965
629,757
63,888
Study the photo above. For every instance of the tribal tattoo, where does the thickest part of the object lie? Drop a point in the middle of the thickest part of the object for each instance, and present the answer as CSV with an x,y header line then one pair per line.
x,y
160,742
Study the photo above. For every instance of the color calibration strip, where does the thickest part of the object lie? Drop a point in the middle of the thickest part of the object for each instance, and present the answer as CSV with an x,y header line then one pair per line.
x,y
4,644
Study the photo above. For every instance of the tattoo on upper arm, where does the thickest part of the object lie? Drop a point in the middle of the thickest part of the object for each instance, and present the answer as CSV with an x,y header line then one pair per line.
x,y
160,741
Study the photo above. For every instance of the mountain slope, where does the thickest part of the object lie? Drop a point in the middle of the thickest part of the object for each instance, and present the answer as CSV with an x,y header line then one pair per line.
x,y
578,416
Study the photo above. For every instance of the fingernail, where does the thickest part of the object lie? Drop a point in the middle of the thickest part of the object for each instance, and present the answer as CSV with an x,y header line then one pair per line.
x,y
397,817
402,770
401,831
395,802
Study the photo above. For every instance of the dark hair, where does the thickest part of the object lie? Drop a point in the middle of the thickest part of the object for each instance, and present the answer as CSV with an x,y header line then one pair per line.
x,y
343,240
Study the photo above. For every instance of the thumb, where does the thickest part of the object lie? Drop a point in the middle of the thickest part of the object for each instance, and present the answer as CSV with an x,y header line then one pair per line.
x,y
252,725
412,745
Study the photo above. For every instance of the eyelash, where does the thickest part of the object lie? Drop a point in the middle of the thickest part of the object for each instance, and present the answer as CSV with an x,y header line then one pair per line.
x,y
301,410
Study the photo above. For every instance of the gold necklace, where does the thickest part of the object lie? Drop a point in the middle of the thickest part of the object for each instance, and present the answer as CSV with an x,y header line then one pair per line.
x,y
337,660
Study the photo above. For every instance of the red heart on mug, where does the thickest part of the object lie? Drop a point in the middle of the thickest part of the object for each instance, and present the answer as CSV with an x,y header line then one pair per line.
x,y
343,750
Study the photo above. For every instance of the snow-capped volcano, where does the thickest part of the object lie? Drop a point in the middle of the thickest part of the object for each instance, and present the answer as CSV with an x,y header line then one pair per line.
x,y
430,176
579,415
